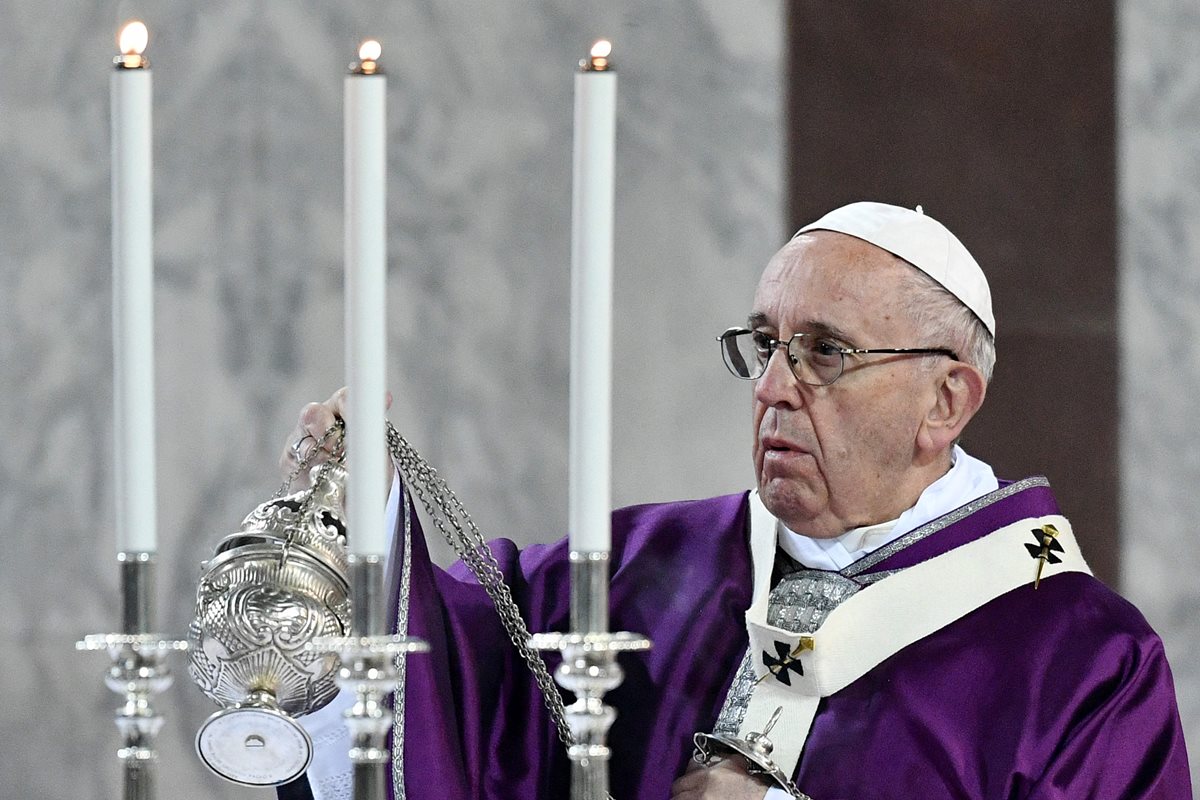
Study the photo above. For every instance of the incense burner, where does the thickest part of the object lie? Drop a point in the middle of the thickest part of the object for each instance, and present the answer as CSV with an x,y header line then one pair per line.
x,y
269,590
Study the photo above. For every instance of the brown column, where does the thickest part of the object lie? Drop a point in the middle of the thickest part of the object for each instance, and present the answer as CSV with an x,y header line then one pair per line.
x,y
998,118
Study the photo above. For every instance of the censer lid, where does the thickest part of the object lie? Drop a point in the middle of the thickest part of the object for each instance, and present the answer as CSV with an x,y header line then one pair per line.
x,y
311,519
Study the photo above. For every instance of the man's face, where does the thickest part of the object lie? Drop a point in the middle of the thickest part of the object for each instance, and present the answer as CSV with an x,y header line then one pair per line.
x,y
832,458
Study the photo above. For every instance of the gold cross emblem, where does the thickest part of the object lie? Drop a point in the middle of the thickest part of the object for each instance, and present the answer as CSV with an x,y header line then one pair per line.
x,y
1045,550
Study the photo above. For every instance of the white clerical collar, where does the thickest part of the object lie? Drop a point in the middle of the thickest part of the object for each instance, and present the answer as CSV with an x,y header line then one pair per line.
x,y
967,479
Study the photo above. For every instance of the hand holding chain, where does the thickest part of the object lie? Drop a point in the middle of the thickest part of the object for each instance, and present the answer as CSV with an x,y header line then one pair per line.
x,y
462,534
755,750
337,453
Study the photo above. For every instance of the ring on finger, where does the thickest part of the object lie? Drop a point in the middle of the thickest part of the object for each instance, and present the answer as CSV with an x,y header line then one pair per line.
x,y
298,446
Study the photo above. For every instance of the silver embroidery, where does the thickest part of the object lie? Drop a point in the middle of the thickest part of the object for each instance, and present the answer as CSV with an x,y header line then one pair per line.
x,y
875,577
803,599
944,521
799,603
398,708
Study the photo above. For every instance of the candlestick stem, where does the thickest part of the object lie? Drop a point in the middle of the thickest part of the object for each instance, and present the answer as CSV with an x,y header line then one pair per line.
x,y
368,657
589,670
589,591
139,671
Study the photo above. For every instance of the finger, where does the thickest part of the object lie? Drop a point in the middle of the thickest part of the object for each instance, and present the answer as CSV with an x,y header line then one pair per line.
x,y
316,418
287,459
686,792
690,781
337,402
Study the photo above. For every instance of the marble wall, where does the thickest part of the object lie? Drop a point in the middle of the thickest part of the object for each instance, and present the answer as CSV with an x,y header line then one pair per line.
x,y
248,299
1158,88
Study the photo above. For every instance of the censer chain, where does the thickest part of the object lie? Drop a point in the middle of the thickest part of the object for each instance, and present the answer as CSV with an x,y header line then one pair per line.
x,y
462,534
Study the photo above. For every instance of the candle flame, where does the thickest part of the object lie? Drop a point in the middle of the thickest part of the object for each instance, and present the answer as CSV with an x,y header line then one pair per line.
x,y
133,38
597,60
370,50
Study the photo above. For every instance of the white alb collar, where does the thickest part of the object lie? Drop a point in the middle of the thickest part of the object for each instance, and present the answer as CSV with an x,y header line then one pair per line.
x,y
967,479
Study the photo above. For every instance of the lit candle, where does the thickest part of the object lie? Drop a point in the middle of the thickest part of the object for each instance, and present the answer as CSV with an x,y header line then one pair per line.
x,y
133,295
591,302
366,271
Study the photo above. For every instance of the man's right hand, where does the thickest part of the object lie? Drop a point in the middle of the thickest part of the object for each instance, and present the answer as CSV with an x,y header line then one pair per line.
x,y
314,420
727,780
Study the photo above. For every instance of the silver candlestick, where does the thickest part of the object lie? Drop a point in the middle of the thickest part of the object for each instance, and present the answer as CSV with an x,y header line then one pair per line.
x,y
368,667
139,671
589,669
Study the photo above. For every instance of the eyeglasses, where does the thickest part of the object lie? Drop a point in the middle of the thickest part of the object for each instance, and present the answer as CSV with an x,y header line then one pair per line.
x,y
813,360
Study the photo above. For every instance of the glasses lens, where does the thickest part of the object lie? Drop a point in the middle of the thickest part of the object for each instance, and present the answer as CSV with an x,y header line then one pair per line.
x,y
815,361
741,354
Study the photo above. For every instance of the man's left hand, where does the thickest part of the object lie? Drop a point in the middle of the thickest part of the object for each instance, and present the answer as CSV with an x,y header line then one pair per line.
x,y
727,780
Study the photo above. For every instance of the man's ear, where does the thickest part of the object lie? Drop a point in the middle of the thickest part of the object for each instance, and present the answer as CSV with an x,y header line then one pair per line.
x,y
957,396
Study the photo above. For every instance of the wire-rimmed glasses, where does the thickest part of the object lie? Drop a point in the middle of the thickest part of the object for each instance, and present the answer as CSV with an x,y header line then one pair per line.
x,y
814,360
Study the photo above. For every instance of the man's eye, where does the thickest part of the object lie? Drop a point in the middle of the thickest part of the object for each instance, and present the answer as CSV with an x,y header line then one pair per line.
x,y
824,347
825,352
762,342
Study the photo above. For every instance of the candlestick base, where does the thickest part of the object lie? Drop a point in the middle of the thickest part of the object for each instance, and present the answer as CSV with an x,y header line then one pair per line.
x,y
139,671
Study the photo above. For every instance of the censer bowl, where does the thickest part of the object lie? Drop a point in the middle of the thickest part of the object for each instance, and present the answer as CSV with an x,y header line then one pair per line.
x,y
269,590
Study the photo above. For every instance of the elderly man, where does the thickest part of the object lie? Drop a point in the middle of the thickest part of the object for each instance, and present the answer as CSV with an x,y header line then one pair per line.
x,y
897,620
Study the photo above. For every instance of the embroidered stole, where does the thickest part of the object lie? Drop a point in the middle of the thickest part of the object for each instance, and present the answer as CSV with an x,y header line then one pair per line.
x,y
817,632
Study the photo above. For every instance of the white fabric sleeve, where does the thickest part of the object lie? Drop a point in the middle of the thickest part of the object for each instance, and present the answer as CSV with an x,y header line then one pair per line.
x,y
330,775
775,793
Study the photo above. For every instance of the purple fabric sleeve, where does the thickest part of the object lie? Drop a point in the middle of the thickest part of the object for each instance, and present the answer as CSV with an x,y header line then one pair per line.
x,y
476,724
1062,692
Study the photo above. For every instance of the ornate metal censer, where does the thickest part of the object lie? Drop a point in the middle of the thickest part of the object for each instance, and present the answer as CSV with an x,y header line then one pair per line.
x,y
755,750
270,590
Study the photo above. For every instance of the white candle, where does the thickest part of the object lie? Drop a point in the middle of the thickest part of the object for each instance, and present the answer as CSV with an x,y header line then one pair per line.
x,y
366,270
591,303
133,296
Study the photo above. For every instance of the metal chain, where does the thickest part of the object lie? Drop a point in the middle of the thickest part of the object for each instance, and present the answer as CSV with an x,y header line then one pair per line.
x,y
461,533
336,431
794,791
708,759
787,784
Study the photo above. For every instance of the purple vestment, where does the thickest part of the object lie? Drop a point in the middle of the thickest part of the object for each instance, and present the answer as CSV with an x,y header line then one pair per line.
x,y
1062,692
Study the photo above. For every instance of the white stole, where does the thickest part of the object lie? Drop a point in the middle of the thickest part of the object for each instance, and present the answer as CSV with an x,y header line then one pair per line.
x,y
880,620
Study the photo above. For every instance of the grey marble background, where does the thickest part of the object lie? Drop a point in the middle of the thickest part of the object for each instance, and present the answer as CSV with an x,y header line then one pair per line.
x,y
248,154
1158,82
248,300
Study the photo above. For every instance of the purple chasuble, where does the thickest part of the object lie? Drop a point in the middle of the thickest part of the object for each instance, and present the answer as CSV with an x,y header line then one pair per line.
x,y
1062,692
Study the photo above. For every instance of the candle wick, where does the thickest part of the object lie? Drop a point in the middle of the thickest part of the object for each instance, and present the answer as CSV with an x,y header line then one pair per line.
x,y
365,67
595,64
131,61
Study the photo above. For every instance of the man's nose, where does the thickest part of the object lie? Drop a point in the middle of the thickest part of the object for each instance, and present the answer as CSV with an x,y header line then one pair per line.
x,y
777,386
